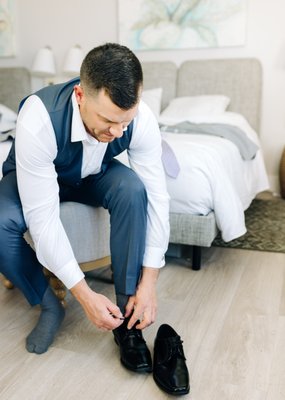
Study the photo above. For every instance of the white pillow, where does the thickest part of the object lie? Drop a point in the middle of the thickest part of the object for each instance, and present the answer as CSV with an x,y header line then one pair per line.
x,y
183,108
152,97
7,113
7,118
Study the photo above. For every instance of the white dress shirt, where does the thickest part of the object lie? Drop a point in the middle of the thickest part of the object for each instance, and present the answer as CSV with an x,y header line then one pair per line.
x,y
36,150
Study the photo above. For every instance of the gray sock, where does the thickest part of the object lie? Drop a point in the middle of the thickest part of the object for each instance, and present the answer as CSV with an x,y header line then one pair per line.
x,y
122,300
52,314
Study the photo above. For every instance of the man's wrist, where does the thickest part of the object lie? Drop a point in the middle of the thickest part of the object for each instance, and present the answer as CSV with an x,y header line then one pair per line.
x,y
80,291
149,275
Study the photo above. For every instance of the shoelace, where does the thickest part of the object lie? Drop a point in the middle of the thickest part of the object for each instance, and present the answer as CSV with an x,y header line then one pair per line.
x,y
174,347
134,334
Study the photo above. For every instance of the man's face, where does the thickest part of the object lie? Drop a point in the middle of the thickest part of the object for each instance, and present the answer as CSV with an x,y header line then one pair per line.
x,y
102,118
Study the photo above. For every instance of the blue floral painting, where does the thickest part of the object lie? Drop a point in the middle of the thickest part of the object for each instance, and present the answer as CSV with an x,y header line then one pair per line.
x,y
181,24
7,39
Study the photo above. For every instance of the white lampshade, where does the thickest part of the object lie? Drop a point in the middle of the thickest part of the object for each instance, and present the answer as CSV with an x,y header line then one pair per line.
x,y
73,60
44,63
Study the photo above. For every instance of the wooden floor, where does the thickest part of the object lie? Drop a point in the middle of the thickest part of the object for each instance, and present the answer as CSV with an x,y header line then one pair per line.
x,y
231,316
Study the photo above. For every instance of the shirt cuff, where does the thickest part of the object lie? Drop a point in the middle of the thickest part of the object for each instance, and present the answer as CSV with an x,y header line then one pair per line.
x,y
153,257
70,274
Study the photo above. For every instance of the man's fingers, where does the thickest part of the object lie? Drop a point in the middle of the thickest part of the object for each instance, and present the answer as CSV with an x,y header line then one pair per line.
x,y
144,317
109,322
132,321
143,324
130,306
146,321
137,315
115,312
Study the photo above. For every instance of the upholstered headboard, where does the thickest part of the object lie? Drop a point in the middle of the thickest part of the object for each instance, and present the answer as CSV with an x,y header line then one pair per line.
x,y
239,79
161,74
15,83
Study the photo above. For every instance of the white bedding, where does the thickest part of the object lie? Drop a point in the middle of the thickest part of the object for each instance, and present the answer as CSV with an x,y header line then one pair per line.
x,y
213,175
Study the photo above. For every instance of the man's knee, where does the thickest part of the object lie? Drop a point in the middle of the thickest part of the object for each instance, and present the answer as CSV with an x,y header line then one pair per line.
x,y
133,191
11,213
11,219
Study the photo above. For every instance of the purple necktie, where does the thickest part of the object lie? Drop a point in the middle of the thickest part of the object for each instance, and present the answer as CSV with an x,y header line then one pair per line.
x,y
169,160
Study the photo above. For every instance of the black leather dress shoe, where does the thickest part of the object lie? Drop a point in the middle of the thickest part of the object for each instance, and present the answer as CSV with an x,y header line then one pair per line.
x,y
169,364
135,354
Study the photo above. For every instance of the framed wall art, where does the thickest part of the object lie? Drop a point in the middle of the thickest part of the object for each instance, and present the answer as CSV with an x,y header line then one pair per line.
x,y
7,33
181,24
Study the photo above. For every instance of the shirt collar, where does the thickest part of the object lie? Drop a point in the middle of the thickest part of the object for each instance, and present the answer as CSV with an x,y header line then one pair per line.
x,y
78,131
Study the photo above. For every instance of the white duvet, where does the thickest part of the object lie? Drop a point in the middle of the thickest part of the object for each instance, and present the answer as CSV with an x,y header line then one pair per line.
x,y
213,175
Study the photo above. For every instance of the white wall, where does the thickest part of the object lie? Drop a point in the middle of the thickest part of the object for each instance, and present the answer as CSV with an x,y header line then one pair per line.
x,y
63,23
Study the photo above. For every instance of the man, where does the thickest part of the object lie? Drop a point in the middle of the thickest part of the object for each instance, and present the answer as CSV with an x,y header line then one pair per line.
x,y
66,140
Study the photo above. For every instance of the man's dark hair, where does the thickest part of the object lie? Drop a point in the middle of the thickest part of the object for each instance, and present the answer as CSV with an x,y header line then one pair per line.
x,y
117,70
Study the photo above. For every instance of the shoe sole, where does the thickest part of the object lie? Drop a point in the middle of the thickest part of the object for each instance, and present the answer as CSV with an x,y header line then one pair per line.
x,y
167,390
139,370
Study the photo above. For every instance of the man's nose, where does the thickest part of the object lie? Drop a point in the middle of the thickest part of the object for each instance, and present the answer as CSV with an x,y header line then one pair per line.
x,y
117,130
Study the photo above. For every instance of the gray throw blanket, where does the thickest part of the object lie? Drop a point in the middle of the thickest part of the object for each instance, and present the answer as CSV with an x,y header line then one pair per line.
x,y
247,147
7,135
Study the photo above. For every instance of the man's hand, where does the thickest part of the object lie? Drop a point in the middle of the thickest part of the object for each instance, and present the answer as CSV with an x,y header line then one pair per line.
x,y
98,308
143,304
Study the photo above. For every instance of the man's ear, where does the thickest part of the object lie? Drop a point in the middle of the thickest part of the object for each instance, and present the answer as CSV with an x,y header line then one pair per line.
x,y
78,93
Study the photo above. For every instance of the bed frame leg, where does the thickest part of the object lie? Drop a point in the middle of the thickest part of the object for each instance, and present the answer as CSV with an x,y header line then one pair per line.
x,y
196,258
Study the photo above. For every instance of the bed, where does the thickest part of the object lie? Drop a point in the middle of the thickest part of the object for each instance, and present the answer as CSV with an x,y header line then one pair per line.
x,y
215,184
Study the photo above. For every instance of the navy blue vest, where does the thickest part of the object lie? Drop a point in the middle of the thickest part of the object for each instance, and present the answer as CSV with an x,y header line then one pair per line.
x,y
68,162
